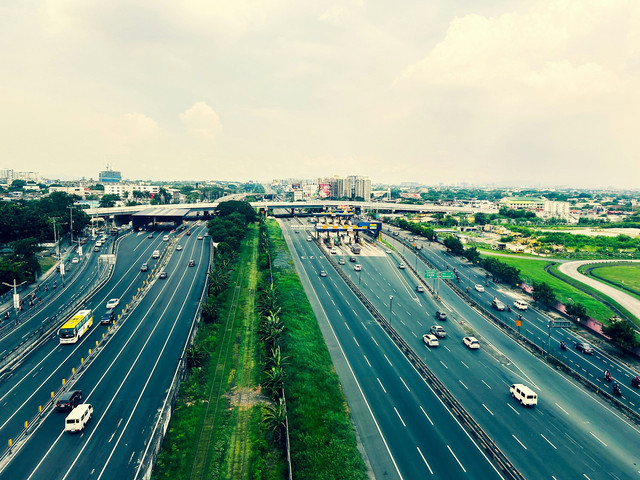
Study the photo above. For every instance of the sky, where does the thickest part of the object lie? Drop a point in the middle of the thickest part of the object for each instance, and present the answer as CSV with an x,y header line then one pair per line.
x,y
537,92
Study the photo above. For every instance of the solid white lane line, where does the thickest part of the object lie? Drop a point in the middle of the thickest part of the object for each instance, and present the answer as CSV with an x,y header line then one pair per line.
x,y
489,387
381,385
562,409
596,437
425,414
548,441
425,461
454,456
385,356
365,357
354,339
397,413
521,444
444,365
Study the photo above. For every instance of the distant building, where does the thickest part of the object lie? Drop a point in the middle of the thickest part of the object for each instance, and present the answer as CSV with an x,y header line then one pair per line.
x,y
82,192
353,187
126,190
109,176
523,203
8,175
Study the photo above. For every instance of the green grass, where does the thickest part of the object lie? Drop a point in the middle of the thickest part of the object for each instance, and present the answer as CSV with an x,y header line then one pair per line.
x,y
178,452
46,263
534,271
625,276
323,444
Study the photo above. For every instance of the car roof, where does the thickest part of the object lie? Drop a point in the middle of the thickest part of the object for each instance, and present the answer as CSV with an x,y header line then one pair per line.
x,y
69,394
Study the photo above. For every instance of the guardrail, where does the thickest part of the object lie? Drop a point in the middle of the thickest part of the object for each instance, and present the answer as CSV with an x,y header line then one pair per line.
x,y
483,440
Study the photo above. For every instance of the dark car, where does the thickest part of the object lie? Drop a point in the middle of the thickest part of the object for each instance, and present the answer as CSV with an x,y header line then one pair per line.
x,y
108,316
192,263
150,235
584,347
163,274
441,315
352,259
188,232
69,400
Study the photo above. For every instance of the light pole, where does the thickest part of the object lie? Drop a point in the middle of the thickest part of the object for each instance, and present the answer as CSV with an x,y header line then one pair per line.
x,y
16,297
390,307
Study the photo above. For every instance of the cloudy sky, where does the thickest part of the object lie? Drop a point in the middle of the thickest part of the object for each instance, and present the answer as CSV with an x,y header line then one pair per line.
x,y
533,92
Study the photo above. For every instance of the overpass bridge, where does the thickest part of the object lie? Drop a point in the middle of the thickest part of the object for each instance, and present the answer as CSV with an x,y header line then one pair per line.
x,y
177,211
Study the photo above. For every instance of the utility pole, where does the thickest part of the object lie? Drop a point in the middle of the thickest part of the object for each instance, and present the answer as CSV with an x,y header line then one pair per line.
x,y
16,297
70,207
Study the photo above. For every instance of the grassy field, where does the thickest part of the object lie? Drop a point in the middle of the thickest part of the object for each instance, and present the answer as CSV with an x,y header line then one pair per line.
x,y
625,276
46,263
219,407
534,270
323,444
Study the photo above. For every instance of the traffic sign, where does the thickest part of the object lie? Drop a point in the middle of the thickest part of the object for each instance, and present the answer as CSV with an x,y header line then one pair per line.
x,y
446,275
430,273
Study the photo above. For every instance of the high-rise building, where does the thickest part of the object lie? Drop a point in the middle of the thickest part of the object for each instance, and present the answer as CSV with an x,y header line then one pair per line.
x,y
110,176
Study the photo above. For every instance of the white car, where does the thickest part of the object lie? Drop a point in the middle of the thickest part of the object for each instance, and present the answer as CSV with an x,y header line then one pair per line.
x,y
520,304
75,260
334,251
438,331
179,247
113,303
387,250
200,237
430,340
401,266
471,342
357,267
479,287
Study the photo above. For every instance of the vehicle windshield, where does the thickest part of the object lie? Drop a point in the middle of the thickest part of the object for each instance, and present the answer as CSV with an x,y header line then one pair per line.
x,y
67,332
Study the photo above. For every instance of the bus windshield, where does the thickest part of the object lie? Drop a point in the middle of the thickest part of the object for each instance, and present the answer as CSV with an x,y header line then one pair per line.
x,y
67,332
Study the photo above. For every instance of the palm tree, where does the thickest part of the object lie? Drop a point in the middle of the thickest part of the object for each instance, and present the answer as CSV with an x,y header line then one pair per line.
x,y
276,419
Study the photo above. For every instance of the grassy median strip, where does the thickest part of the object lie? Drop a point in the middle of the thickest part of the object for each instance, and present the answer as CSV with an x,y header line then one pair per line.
x,y
216,430
323,444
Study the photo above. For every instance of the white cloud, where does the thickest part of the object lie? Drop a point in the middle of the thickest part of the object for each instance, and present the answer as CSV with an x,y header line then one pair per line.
x,y
201,121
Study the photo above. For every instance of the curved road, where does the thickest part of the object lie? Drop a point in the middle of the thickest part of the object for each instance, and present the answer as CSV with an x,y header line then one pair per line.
x,y
632,304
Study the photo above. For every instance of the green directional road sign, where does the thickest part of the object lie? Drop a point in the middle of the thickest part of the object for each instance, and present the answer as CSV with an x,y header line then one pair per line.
x,y
430,273
446,275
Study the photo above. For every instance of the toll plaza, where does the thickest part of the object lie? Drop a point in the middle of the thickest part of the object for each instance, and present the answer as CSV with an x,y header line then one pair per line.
x,y
344,231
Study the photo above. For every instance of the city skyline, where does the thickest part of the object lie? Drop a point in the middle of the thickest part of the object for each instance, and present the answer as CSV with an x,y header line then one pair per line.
x,y
494,93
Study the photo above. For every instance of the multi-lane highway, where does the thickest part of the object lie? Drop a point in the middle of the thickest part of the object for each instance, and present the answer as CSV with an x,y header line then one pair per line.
x,y
572,433
125,378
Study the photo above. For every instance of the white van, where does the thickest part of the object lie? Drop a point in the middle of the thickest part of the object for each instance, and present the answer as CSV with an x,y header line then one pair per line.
x,y
156,254
165,238
524,395
520,304
78,418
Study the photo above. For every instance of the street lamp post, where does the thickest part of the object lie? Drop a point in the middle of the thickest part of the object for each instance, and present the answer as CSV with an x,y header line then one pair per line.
x,y
390,307
16,297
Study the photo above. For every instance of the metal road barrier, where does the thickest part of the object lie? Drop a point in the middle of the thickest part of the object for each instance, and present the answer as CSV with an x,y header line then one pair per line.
x,y
484,441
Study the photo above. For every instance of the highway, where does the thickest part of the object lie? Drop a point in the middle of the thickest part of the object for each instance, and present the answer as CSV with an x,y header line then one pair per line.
x,y
535,322
571,433
126,378
408,431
